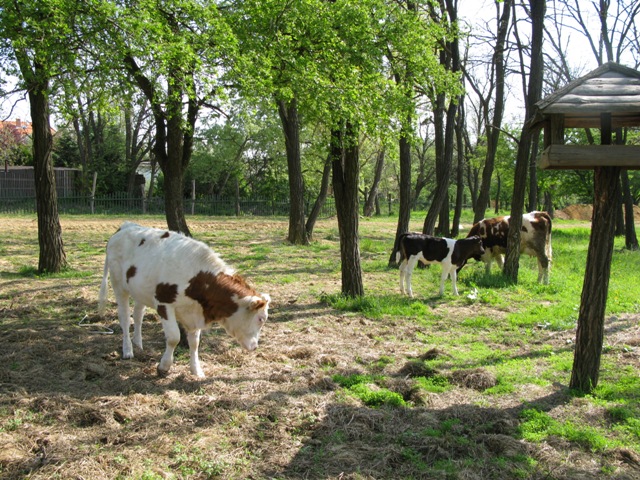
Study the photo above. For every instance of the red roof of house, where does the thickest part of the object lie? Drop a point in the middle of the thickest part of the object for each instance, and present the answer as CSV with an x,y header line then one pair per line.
x,y
20,127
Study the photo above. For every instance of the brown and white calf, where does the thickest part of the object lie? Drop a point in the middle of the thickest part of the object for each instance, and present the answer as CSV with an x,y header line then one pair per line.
x,y
415,247
184,281
535,240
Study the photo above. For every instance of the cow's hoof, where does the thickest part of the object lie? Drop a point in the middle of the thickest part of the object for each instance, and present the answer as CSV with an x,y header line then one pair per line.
x,y
162,373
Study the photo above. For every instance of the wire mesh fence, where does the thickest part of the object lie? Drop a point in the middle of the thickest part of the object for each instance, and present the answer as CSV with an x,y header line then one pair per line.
x,y
121,203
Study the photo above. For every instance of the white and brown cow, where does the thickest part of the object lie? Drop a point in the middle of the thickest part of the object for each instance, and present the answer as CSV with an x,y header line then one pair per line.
x,y
535,240
415,247
184,281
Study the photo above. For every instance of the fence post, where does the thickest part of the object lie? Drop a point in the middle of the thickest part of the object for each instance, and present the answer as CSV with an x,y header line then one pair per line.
x,y
193,196
93,192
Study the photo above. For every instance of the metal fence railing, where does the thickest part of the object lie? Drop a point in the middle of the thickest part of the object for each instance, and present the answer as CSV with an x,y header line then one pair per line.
x,y
120,203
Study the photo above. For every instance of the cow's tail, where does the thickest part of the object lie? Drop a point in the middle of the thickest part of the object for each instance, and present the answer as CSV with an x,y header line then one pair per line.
x,y
102,299
548,249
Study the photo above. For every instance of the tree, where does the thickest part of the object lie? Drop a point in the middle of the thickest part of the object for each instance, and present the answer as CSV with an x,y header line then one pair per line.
x,y
444,126
527,137
37,42
416,71
174,54
496,93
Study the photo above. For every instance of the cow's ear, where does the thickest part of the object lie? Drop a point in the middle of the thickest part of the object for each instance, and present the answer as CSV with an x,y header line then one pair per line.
x,y
257,303
266,297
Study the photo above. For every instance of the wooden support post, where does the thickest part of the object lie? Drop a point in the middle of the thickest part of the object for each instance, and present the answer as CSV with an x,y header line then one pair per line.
x,y
590,332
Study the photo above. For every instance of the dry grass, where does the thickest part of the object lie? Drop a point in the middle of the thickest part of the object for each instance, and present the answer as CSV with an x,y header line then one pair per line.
x,y
70,407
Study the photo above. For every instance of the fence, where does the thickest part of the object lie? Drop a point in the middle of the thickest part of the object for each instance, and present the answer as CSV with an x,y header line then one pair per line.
x,y
120,203
18,183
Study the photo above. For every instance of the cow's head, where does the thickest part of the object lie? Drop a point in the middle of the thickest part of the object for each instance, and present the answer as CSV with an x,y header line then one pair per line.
x,y
477,249
247,321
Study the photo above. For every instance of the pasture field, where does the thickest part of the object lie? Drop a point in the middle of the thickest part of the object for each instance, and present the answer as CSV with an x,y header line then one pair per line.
x,y
382,387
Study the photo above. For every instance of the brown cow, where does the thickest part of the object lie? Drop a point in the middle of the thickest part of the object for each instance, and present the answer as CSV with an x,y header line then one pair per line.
x,y
535,240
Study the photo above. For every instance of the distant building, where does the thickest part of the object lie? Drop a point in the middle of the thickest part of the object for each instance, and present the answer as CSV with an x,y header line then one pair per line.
x,y
18,129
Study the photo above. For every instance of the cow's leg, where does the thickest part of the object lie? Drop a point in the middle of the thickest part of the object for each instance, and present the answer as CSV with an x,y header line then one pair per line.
x,y
454,276
172,336
403,266
138,313
194,360
411,264
122,298
500,261
543,269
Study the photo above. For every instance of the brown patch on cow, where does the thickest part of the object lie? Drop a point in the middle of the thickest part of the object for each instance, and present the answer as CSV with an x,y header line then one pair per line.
x,y
539,225
258,304
165,235
131,271
141,242
215,294
162,311
166,292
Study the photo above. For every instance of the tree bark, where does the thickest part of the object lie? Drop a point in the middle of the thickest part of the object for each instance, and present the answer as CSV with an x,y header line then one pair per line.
x,y
345,166
590,333
52,257
320,200
460,123
631,239
493,126
373,194
534,93
288,112
404,213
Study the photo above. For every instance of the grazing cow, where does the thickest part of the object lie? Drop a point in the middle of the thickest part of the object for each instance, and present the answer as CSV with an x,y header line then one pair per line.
x,y
535,240
184,281
414,247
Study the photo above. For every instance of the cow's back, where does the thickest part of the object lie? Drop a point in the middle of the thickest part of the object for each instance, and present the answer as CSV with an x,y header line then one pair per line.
x,y
142,260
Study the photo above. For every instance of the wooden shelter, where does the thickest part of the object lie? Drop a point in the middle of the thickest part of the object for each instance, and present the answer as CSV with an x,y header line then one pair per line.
x,y
608,99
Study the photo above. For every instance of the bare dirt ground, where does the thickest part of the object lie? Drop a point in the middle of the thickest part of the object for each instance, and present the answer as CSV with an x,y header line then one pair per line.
x,y
71,408
585,212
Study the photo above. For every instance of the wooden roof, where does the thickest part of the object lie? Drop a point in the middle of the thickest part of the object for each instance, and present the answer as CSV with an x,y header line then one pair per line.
x,y
611,88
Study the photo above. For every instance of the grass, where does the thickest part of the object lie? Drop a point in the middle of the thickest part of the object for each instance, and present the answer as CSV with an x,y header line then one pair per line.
x,y
372,387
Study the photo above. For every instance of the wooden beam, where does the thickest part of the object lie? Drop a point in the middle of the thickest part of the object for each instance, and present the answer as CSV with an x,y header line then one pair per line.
x,y
577,157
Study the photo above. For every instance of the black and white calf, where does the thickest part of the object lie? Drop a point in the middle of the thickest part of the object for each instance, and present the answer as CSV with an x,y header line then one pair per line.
x,y
415,247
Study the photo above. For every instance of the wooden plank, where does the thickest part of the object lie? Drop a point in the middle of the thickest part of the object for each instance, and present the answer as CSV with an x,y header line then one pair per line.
x,y
593,121
577,157
612,81
592,107
610,99
607,89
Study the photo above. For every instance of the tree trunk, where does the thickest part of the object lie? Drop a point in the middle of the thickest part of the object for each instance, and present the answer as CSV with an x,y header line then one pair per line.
x,y
404,214
498,192
493,126
291,127
322,197
590,333
345,166
173,170
532,204
631,240
371,198
444,159
455,229
52,256
534,92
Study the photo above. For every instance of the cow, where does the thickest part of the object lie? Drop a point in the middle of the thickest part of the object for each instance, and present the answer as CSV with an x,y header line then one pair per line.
x,y
185,281
535,240
415,247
